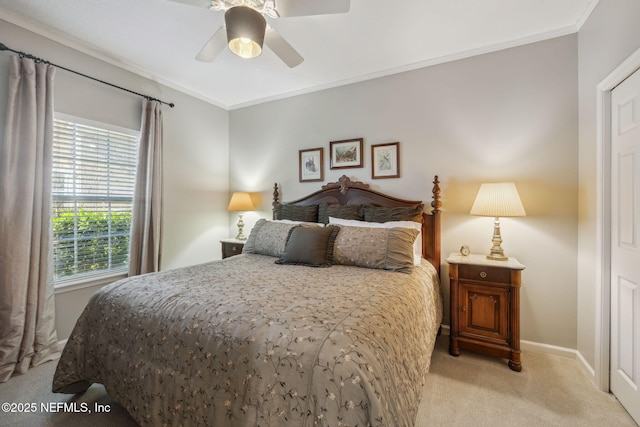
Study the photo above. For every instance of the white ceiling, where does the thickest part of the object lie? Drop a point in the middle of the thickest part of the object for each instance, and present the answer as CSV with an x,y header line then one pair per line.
x,y
160,38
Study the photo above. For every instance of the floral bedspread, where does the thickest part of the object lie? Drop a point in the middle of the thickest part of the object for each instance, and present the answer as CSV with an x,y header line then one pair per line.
x,y
246,342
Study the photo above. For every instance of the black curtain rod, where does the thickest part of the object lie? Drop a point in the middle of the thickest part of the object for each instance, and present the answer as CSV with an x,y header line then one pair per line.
x,y
35,58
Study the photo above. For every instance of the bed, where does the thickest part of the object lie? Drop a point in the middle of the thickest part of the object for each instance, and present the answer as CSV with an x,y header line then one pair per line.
x,y
266,339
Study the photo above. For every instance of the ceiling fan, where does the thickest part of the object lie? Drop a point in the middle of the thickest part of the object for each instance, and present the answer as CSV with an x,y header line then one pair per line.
x,y
246,28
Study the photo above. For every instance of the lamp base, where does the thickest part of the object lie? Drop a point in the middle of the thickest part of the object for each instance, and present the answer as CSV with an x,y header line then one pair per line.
x,y
497,253
497,257
240,235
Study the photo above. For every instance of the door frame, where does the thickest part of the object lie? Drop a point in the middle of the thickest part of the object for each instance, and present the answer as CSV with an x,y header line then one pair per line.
x,y
603,220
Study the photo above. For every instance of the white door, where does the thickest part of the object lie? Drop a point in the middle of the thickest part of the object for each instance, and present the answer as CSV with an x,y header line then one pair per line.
x,y
625,244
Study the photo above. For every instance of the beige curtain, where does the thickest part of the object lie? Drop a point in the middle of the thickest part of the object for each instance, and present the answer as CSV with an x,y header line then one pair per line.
x,y
146,228
27,318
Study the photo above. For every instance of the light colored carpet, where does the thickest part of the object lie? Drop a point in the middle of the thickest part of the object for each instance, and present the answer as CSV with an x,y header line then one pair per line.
x,y
469,390
477,390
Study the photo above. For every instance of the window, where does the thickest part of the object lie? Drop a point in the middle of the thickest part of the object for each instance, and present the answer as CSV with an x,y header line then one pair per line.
x,y
94,170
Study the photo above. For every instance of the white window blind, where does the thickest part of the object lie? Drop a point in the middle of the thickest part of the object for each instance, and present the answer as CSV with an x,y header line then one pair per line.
x,y
94,170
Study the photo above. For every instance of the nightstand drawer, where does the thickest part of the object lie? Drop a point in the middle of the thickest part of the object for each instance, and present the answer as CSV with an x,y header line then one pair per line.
x,y
231,248
484,273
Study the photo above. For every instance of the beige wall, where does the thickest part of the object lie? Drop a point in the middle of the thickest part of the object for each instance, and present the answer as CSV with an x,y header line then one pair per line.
x,y
510,115
608,37
195,143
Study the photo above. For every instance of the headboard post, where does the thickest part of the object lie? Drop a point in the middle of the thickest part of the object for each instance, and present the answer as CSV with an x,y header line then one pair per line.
x,y
436,204
276,199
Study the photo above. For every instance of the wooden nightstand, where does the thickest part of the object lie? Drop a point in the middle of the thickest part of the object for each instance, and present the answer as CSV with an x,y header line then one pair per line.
x,y
231,247
485,306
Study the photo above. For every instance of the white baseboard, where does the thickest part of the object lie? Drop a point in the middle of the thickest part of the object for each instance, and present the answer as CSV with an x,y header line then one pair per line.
x,y
538,347
588,368
559,351
548,349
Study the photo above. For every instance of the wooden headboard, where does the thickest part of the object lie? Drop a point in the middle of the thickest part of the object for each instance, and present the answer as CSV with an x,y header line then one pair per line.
x,y
347,192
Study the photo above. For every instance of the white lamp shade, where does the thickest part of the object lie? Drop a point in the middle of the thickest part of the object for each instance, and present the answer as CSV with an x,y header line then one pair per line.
x,y
240,202
498,200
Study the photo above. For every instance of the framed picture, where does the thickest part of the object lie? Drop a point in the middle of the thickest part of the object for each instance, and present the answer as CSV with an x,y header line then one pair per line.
x,y
385,162
346,153
311,165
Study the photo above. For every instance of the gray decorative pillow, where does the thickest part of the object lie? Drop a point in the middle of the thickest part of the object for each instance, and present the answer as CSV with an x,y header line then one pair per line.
x,y
383,248
339,211
267,238
385,214
297,213
312,246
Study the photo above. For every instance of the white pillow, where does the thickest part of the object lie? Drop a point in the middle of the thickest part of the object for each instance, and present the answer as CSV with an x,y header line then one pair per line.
x,y
417,244
288,221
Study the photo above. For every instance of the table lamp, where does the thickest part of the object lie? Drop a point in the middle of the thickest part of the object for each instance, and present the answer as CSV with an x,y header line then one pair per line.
x,y
496,200
240,202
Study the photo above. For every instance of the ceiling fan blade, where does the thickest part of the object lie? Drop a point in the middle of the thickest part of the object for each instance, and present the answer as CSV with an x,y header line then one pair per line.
x,y
198,3
282,48
213,47
287,8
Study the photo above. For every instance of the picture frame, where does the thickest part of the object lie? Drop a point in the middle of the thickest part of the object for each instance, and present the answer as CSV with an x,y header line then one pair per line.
x,y
385,160
311,165
346,153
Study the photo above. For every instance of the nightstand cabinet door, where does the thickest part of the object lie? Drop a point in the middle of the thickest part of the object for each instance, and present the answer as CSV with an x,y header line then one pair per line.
x,y
484,312
231,248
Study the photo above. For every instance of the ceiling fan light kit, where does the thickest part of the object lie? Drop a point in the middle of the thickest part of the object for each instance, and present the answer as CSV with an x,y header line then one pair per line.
x,y
245,31
246,26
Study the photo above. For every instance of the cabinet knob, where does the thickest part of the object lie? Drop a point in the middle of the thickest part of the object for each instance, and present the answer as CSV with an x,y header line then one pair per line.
x,y
463,308
483,274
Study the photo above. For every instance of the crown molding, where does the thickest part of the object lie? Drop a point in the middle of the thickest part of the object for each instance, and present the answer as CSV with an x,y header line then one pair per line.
x,y
571,29
84,48
75,44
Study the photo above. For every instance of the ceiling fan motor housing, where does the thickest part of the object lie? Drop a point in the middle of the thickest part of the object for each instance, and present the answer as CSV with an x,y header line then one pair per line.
x,y
245,31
